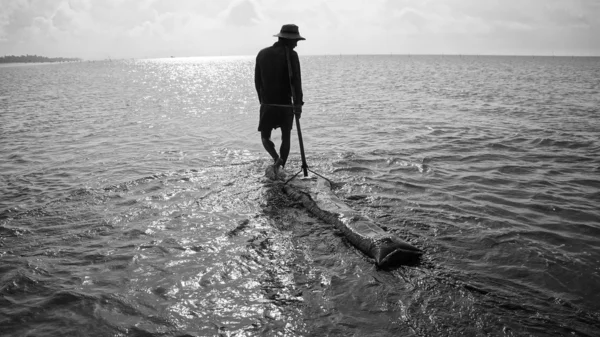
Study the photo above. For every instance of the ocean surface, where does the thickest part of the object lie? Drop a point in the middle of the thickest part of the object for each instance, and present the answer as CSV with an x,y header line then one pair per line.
x,y
133,200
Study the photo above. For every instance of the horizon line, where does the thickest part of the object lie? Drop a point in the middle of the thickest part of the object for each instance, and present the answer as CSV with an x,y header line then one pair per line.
x,y
323,54
358,54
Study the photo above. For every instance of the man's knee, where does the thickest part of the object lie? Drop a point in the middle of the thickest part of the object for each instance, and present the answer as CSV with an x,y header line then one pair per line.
x,y
267,142
286,136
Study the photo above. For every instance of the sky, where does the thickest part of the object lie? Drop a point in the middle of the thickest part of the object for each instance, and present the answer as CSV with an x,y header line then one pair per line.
x,y
101,29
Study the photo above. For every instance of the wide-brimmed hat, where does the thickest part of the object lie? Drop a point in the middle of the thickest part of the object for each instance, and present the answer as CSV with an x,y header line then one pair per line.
x,y
290,32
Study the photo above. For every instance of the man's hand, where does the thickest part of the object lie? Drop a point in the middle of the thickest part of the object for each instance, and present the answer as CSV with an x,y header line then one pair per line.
x,y
298,110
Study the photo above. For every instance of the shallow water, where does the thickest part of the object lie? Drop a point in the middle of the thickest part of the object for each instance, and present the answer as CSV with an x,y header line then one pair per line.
x,y
134,200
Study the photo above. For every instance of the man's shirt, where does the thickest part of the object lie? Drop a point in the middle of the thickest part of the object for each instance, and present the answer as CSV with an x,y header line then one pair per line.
x,y
271,76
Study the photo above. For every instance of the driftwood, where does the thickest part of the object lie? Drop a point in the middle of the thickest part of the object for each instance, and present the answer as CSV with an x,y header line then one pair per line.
x,y
386,249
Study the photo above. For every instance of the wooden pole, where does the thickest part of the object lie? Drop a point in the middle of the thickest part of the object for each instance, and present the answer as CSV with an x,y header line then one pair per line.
x,y
289,63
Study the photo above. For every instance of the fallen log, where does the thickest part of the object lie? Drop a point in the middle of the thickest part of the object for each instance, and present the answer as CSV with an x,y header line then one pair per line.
x,y
386,249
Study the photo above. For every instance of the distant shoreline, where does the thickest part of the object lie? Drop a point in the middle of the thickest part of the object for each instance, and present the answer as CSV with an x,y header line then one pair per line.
x,y
35,59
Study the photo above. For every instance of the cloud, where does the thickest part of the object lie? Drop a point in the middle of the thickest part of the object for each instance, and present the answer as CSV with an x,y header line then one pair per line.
x,y
494,26
408,21
63,17
140,28
241,13
79,5
41,26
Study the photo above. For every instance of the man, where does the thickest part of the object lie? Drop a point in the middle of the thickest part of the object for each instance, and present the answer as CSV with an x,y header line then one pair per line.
x,y
272,80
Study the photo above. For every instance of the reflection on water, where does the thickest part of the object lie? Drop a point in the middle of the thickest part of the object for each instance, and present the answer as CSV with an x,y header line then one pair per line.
x,y
189,251
134,200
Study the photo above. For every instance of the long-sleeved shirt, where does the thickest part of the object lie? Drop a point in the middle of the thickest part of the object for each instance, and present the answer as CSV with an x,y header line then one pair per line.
x,y
271,76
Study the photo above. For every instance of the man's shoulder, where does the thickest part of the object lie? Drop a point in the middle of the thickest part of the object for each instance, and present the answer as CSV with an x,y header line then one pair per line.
x,y
266,50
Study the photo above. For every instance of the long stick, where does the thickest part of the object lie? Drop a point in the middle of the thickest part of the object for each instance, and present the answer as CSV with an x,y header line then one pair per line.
x,y
304,164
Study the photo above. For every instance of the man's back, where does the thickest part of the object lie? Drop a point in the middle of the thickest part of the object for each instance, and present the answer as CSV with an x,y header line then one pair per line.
x,y
271,75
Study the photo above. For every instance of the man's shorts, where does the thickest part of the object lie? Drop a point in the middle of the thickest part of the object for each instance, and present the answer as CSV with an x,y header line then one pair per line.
x,y
273,117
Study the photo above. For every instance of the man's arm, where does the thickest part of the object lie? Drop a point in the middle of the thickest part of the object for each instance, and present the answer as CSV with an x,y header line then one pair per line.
x,y
258,80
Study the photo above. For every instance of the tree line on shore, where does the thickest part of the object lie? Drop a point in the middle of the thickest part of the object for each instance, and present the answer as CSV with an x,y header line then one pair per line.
x,y
35,59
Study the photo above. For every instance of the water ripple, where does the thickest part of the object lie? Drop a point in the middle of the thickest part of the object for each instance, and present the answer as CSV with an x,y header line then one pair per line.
x,y
134,203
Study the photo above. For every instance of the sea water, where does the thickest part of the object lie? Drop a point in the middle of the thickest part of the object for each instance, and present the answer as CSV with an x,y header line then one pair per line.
x,y
133,200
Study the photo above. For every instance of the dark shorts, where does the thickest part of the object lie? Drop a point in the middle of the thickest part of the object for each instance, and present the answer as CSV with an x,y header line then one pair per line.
x,y
273,117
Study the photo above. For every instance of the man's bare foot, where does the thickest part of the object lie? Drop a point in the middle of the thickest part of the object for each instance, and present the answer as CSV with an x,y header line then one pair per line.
x,y
278,164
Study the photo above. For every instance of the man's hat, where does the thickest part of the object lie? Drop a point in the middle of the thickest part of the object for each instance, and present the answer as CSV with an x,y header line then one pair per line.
x,y
290,32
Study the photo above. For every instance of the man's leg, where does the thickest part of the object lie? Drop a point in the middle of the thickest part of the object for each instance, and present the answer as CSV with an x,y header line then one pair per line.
x,y
265,136
284,150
